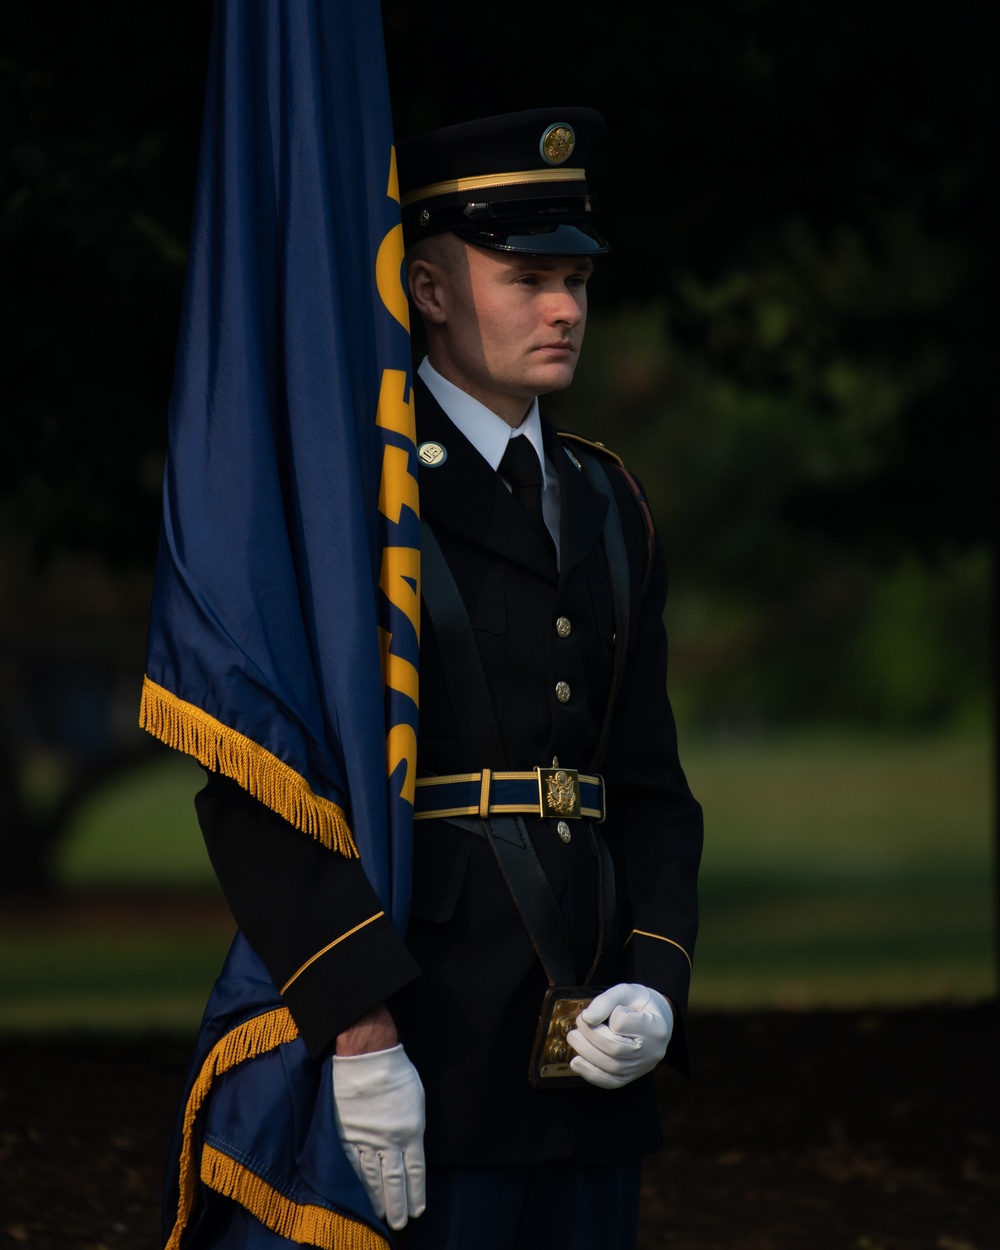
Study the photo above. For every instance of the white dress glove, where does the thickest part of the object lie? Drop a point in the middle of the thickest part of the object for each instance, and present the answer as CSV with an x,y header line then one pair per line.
x,y
621,1035
379,1104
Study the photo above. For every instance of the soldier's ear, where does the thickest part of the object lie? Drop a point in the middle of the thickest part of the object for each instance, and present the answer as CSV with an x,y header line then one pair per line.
x,y
426,280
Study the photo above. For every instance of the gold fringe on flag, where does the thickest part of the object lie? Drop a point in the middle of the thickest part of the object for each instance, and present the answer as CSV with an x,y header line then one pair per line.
x,y
187,728
247,1041
301,1223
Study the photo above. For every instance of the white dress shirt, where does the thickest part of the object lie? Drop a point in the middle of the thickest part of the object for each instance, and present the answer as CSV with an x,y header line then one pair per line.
x,y
489,434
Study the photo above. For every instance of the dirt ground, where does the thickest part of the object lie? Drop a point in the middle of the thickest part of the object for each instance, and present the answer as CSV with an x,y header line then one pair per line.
x,y
841,1131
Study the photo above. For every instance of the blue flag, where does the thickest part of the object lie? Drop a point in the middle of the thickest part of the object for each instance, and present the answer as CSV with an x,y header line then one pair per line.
x,y
283,641
284,633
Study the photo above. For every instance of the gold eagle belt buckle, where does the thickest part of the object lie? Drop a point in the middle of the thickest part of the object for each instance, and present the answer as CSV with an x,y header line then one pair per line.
x,y
559,792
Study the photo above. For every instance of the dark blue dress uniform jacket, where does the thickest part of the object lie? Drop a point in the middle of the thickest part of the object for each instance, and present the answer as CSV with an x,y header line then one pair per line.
x,y
466,986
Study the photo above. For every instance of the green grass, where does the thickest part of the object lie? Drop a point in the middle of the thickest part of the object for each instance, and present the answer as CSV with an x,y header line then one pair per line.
x,y
140,834
838,871
844,871
142,831
105,982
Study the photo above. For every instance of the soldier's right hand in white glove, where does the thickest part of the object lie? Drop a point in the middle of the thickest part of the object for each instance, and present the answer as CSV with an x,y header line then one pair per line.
x,y
379,1104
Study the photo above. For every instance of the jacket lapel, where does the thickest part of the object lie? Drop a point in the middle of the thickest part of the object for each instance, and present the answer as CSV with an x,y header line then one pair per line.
x,y
463,494
582,509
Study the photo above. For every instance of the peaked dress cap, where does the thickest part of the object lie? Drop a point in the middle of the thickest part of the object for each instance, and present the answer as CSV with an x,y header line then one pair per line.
x,y
514,183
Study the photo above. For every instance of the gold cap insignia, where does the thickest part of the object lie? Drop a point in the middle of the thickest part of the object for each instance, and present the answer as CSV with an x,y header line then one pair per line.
x,y
557,144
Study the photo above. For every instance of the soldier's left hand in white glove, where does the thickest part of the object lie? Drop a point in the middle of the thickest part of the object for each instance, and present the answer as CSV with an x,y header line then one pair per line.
x,y
621,1035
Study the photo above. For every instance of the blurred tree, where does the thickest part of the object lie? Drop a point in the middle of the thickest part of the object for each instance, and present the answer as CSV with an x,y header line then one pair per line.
x,y
99,146
99,122
791,341
807,191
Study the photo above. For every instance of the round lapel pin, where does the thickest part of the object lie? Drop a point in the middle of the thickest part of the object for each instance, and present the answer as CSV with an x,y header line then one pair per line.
x,y
432,454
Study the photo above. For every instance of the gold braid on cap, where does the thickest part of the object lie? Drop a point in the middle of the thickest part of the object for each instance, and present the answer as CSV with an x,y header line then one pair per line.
x,y
521,177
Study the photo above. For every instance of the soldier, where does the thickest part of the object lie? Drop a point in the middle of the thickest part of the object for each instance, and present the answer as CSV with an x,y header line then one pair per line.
x,y
556,842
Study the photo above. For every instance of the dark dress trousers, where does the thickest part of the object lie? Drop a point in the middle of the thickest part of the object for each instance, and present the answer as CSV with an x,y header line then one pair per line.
x,y
465,987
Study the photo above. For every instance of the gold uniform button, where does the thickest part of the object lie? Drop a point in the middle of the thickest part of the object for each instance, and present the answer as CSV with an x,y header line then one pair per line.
x,y
564,627
563,830
563,691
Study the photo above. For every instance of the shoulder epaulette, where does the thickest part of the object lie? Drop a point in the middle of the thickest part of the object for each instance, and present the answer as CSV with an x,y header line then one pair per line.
x,y
590,445
637,491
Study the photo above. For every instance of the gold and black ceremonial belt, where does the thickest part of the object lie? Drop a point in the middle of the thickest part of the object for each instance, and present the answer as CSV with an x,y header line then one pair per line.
x,y
552,793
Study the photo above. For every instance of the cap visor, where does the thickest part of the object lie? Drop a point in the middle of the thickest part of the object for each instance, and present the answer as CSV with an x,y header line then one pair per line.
x,y
564,239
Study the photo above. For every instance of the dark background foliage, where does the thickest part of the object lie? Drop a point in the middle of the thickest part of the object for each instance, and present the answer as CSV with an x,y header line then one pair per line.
x,y
791,340
842,149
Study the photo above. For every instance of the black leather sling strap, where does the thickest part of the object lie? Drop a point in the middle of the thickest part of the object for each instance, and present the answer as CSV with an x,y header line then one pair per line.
x,y
468,690
476,721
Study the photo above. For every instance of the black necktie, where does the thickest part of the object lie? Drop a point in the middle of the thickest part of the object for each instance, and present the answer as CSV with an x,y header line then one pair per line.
x,y
520,467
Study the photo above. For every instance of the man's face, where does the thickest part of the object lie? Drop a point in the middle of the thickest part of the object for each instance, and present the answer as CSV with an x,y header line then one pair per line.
x,y
511,325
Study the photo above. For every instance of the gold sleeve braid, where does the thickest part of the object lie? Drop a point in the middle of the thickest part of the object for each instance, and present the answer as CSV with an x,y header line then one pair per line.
x,y
329,947
660,938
